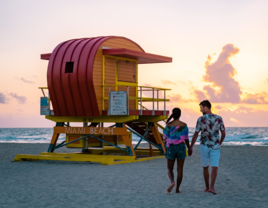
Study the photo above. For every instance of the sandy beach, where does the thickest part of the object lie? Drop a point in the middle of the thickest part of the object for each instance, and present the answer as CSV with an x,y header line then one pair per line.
x,y
242,181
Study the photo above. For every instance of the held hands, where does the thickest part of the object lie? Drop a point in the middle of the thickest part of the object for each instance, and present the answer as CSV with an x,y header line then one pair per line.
x,y
190,151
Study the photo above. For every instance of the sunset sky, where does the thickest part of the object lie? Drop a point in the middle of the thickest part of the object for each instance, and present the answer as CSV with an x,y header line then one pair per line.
x,y
219,50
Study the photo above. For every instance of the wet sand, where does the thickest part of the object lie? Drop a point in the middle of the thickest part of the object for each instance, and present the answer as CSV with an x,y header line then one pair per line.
x,y
242,181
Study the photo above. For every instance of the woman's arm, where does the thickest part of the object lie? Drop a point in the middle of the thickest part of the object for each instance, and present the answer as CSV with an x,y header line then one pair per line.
x,y
188,146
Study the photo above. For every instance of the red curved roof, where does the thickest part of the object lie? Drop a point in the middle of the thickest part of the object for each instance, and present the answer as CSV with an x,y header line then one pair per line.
x,y
73,94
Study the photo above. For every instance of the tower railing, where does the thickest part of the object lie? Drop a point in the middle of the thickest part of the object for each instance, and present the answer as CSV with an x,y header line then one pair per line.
x,y
139,98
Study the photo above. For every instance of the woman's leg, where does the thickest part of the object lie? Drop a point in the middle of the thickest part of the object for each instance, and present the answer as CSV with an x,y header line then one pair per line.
x,y
180,163
170,166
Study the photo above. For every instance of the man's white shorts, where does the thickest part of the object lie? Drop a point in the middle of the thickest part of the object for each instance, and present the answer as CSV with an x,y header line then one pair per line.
x,y
208,154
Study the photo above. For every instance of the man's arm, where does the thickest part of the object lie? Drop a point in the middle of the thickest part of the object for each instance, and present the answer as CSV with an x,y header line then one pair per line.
x,y
222,136
195,136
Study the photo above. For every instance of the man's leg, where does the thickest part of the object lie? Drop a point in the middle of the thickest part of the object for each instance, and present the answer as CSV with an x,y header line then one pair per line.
x,y
180,163
215,157
213,179
204,152
170,166
206,178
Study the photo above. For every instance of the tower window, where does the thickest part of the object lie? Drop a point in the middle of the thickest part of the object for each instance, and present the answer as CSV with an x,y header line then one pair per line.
x,y
69,68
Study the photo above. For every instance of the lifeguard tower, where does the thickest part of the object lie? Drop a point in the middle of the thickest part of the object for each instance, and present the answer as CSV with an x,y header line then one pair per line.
x,y
94,82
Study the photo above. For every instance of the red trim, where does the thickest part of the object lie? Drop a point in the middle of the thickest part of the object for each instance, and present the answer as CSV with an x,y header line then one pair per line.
x,y
142,57
144,112
45,56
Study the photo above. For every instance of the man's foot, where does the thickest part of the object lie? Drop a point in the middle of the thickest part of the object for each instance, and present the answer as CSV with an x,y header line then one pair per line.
x,y
212,190
206,190
177,191
170,187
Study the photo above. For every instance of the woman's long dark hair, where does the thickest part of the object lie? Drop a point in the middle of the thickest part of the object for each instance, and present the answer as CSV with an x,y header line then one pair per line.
x,y
176,114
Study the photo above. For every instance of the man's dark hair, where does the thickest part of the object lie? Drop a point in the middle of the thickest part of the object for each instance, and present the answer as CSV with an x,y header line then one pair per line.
x,y
206,103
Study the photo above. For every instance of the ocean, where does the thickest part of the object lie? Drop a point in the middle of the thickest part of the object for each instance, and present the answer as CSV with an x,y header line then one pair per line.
x,y
255,136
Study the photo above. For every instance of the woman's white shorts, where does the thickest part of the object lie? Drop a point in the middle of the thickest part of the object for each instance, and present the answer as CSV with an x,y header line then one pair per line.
x,y
209,155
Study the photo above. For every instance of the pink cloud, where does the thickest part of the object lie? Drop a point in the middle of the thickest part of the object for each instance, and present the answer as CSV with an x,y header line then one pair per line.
x,y
200,95
240,117
244,117
222,87
221,74
3,98
26,81
218,107
20,99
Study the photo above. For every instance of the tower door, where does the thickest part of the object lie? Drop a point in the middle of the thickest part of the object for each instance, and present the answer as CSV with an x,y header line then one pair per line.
x,y
127,71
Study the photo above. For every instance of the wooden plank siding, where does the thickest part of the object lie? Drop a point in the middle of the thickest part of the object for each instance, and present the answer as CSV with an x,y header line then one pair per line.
x,y
98,69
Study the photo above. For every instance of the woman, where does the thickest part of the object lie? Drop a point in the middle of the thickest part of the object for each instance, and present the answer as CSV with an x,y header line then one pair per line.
x,y
176,136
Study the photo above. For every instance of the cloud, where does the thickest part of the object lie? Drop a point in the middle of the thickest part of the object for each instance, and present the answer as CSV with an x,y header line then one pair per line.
x,y
221,75
233,119
178,99
222,87
148,92
167,82
20,99
25,80
200,95
218,107
257,98
244,116
239,117
3,98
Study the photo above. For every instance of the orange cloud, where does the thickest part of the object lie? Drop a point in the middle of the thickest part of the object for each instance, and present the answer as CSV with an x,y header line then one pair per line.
x,y
257,98
167,82
178,99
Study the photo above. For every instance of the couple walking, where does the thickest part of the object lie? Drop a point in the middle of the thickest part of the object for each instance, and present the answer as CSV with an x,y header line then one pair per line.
x,y
175,136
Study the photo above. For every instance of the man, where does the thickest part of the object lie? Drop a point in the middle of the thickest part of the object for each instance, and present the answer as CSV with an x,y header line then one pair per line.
x,y
210,145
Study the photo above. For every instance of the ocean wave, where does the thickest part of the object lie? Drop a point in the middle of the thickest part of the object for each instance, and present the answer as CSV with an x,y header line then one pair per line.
x,y
234,136
246,143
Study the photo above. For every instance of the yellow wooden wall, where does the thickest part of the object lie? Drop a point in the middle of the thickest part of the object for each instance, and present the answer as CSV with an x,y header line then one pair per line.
x,y
98,66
